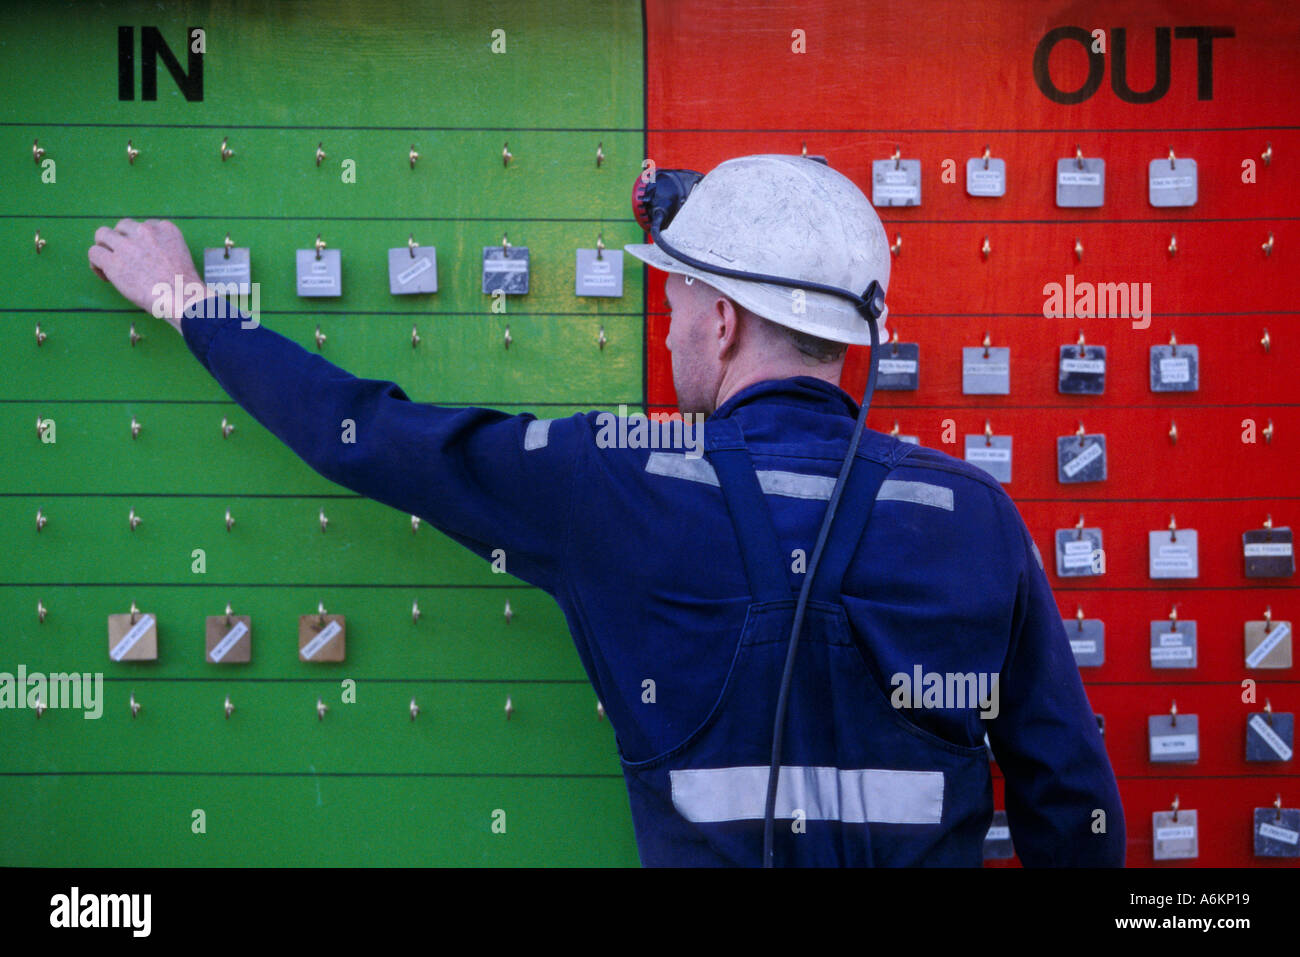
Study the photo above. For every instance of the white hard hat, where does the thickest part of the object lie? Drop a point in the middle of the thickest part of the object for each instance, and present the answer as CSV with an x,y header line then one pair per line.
x,y
785,216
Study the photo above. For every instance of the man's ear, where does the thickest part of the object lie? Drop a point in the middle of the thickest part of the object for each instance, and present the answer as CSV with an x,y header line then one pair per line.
x,y
727,317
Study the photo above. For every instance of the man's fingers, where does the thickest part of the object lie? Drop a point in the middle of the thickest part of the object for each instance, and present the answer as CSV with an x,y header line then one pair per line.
x,y
127,227
106,237
99,257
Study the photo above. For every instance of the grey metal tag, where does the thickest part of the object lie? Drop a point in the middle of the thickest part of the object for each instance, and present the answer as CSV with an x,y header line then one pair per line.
x,y
1173,835
1268,644
599,275
1269,552
997,842
1087,641
507,273
1173,738
986,375
1277,832
1078,552
1173,648
1173,554
412,271
986,177
1080,182
320,277
1175,368
992,453
1270,736
1172,182
217,267
900,367
896,182
1081,458
1082,370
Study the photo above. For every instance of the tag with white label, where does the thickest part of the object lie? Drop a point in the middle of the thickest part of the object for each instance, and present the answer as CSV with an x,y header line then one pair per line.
x,y
1080,182
1173,738
1277,832
1270,736
1175,368
1173,834
1078,552
997,842
1172,182
992,453
232,269
319,641
896,182
321,276
132,640
1081,370
1173,554
986,177
985,374
899,367
507,273
1269,552
1081,458
599,273
412,270
1087,641
1173,648
1268,644
229,641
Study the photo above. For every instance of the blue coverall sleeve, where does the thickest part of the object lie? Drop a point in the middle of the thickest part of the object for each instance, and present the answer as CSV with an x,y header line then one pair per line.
x,y
1046,740
465,471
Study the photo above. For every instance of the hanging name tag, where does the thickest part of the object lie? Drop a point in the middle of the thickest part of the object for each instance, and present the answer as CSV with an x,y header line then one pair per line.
x,y
1277,832
1081,458
1173,835
132,640
1082,371
986,177
220,268
986,374
1172,182
1268,644
321,640
1173,739
900,367
507,273
599,273
321,276
1269,553
1174,648
997,842
896,182
1270,736
1087,641
992,453
1078,552
412,270
1080,182
1175,368
1173,555
230,641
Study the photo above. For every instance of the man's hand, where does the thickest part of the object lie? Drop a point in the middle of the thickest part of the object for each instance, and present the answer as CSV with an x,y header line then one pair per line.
x,y
138,258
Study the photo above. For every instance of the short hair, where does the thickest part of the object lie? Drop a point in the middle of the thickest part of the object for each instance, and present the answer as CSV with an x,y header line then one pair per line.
x,y
815,347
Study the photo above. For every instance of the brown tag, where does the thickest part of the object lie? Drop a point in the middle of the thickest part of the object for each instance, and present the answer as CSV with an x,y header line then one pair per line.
x,y
229,639
133,640
320,637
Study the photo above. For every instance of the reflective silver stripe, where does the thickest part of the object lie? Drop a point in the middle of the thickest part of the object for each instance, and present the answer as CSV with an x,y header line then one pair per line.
x,y
537,434
1037,554
676,465
869,796
795,484
921,493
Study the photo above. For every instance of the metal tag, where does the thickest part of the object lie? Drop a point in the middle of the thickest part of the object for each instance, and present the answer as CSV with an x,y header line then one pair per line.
x,y
220,268
997,842
1173,554
899,367
1173,738
1175,368
133,637
320,277
1078,552
1082,370
896,182
1270,736
1269,552
229,640
1173,648
1172,182
986,374
1081,458
1173,835
1087,641
1277,832
1080,182
412,270
992,453
1268,644
986,177
600,273
506,273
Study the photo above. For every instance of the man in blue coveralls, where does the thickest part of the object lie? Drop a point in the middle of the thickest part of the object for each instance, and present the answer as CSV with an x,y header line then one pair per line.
x,y
930,620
